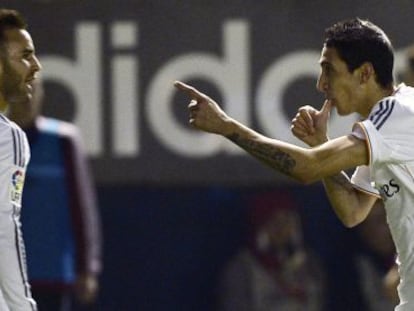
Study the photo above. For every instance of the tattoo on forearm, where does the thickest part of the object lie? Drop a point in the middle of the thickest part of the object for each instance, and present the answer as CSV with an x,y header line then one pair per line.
x,y
274,157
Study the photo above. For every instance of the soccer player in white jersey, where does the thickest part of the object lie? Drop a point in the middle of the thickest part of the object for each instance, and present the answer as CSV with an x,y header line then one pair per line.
x,y
356,76
18,68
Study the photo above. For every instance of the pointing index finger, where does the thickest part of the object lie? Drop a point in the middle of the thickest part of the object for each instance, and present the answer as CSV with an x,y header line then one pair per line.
x,y
194,93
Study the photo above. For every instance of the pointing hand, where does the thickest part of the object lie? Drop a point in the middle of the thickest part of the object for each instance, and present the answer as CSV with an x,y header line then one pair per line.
x,y
205,113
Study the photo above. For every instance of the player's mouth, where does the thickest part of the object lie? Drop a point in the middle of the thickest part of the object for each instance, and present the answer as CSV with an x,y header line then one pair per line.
x,y
332,100
30,79
29,83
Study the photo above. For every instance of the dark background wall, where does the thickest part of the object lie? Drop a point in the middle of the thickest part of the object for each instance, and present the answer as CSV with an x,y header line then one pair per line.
x,y
165,247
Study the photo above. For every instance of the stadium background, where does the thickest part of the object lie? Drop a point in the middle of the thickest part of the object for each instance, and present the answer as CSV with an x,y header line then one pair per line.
x,y
173,200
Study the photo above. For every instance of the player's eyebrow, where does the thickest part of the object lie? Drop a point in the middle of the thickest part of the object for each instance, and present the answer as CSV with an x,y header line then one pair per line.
x,y
27,51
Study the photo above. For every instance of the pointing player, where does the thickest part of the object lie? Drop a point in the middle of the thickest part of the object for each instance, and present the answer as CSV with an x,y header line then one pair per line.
x,y
356,76
18,68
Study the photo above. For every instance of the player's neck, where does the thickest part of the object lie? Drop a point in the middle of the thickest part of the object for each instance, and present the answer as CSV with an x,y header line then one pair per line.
x,y
22,119
376,94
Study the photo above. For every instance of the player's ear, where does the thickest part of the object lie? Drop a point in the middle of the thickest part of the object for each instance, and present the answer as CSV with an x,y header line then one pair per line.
x,y
366,71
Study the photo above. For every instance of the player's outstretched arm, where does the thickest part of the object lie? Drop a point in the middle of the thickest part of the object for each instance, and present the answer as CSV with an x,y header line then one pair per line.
x,y
302,164
324,162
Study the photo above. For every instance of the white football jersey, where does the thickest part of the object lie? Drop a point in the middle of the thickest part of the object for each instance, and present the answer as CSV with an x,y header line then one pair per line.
x,y
389,132
14,158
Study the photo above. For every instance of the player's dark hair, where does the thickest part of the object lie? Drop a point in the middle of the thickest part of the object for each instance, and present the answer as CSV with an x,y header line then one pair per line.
x,y
10,19
358,41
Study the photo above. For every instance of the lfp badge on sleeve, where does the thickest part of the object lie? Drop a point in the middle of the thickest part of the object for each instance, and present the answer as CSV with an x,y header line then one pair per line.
x,y
17,183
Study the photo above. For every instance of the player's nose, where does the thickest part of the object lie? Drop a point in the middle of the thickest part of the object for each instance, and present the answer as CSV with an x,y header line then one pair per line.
x,y
321,84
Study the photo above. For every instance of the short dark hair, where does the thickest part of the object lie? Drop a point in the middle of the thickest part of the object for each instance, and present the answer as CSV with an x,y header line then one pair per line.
x,y
10,19
358,41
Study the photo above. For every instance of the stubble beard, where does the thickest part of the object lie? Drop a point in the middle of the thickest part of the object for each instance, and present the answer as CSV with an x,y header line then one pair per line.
x,y
13,89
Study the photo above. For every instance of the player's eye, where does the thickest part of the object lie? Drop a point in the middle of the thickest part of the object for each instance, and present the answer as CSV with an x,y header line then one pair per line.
x,y
28,54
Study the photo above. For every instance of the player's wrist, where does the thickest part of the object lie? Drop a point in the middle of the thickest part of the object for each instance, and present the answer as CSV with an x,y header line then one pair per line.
x,y
319,141
229,127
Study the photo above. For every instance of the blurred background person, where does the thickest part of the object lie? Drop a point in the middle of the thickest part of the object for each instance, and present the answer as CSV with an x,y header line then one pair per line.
x,y
275,271
375,261
61,220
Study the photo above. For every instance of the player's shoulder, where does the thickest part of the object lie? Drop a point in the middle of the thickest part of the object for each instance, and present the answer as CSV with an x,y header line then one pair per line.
x,y
394,109
404,95
56,127
12,137
5,122
6,125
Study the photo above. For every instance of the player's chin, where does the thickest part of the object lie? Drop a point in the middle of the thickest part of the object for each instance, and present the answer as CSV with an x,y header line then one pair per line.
x,y
343,113
22,97
340,111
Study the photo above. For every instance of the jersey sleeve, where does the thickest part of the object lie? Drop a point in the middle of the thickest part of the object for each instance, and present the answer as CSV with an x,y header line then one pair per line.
x,y
361,180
